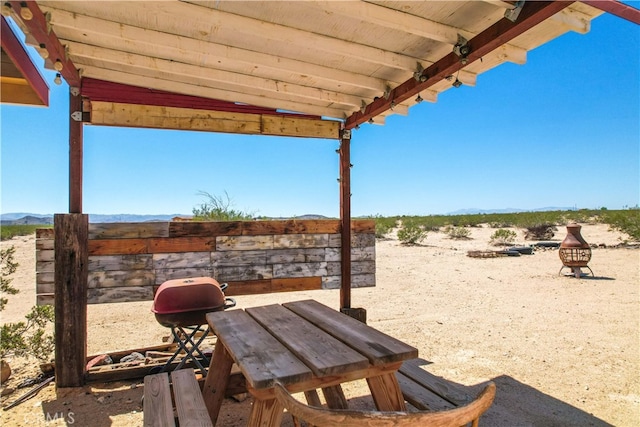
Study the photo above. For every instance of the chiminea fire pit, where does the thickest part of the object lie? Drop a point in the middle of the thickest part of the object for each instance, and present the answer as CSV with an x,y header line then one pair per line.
x,y
575,252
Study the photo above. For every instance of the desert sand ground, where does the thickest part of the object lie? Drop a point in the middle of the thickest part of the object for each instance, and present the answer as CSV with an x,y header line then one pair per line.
x,y
562,351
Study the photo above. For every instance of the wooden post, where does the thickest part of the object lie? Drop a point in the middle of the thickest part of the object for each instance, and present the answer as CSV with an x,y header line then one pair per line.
x,y
75,151
345,218
71,233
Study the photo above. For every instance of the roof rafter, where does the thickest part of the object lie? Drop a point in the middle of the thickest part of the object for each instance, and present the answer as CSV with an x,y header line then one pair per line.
x,y
496,35
616,8
38,28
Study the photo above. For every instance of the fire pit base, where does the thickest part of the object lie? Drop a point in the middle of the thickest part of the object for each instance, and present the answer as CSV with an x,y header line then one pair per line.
x,y
576,271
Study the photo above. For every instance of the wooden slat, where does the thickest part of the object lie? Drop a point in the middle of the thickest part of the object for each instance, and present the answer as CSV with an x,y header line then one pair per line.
x,y
120,294
188,397
363,226
321,352
182,260
164,274
291,226
296,284
279,256
420,397
244,272
44,233
446,389
43,244
181,244
252,287
300,241
120,262
118,246
45,299
244,243
46,255
128,230
126,278
205,228
260,356
300,269
157,407
237,258
379,347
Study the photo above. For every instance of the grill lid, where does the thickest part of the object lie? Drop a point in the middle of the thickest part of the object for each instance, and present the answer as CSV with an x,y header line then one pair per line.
x,y
186,295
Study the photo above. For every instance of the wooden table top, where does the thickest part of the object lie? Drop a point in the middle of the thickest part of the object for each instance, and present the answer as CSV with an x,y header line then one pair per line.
x,y
295,342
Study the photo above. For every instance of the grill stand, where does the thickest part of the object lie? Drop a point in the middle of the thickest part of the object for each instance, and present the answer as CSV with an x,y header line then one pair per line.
x,y
185,341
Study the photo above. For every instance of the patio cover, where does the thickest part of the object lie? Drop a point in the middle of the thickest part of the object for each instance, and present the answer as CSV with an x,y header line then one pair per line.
x,y
353,61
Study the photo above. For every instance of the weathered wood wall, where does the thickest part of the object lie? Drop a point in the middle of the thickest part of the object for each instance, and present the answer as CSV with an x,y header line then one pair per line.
x,y
128,261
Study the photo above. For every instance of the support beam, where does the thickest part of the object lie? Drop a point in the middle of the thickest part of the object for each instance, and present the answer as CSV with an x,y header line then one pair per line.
x,y
490,39
71,234
616,8
76,145
191,119
345,218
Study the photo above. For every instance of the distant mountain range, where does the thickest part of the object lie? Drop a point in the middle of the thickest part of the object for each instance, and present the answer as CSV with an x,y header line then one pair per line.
x,y
473,211
46,219
22,218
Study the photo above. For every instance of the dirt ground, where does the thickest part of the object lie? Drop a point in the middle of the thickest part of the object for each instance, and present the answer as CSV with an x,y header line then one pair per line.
x,y
562,351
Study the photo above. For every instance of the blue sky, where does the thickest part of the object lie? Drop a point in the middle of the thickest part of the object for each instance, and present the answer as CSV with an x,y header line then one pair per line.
x,y
562,130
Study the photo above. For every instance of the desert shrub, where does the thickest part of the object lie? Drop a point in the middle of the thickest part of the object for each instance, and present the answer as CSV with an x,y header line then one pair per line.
x,y
218,208
503,237
23,338
384,225
411,233
8,267
626,221
457,233
540,232
29,338
8,232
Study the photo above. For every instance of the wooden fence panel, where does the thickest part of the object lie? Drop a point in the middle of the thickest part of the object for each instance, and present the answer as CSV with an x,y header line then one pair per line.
x,y
128,261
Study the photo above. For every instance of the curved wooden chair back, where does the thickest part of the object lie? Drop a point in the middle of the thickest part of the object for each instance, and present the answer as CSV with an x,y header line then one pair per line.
x,y
321,417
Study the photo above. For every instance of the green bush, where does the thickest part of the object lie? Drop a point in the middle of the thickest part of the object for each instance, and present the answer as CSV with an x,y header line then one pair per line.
x,y
384,225
457,233
218,208
23,338
503,237
627,222
411,233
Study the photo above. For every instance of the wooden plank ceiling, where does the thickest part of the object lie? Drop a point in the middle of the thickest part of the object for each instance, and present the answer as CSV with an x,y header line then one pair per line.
x,y
333,59
20,80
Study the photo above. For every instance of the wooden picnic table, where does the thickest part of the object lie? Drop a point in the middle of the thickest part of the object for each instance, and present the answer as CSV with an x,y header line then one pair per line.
x,y
305,346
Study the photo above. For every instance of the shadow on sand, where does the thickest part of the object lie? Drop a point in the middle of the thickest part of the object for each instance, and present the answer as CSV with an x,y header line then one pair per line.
x,y
516,405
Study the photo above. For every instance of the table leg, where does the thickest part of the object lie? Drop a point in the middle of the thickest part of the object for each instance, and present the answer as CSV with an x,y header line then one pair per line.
x,y
265,413
335,397
386,393
217,380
